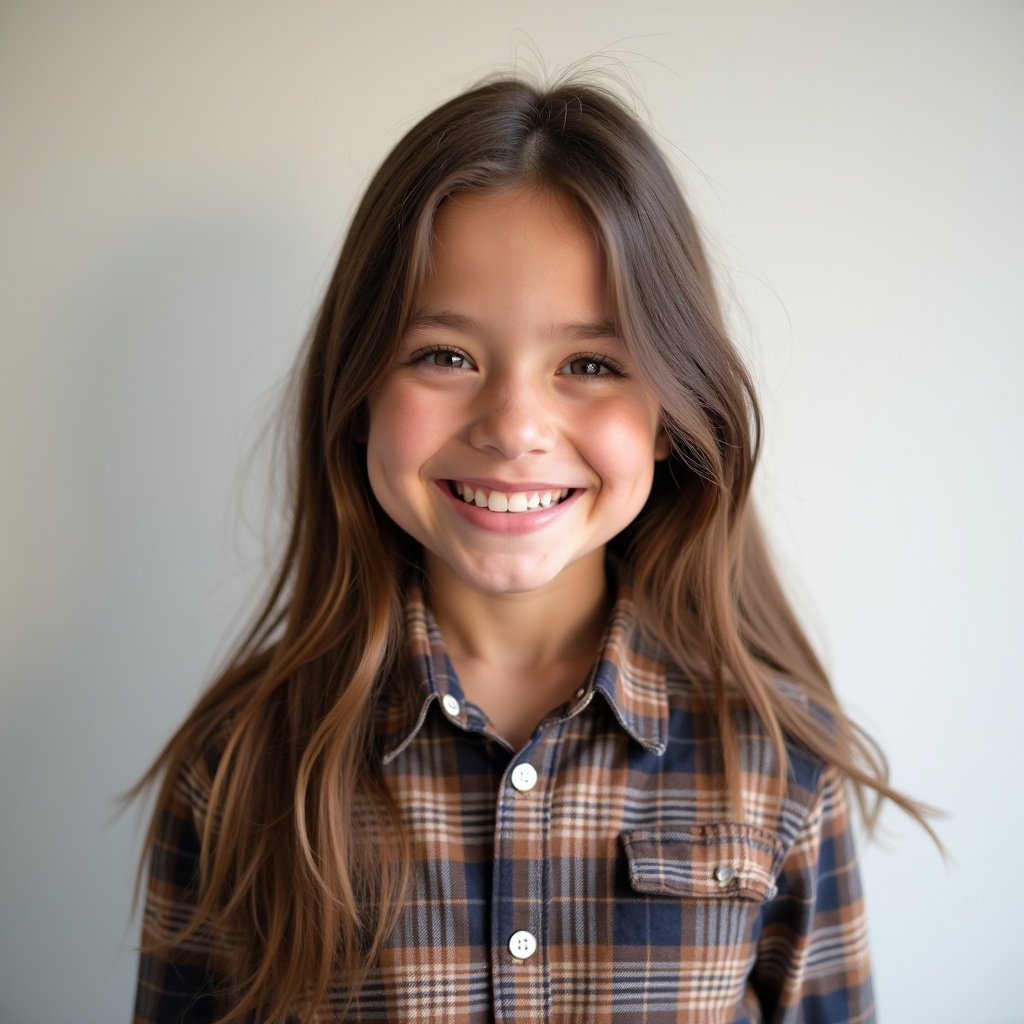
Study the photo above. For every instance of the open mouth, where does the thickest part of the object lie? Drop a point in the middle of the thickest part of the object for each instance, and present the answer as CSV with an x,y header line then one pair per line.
x,y
512,501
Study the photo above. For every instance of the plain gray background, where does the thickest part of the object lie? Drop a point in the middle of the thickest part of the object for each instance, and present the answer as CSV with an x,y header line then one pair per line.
x,y
176,179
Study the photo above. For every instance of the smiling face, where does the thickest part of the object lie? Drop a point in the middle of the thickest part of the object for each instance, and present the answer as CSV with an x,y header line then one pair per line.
x,y
512,437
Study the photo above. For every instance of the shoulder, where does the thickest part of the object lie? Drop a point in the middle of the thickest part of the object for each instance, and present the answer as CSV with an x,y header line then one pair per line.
x,y
177,840
183,953
186,803
778,789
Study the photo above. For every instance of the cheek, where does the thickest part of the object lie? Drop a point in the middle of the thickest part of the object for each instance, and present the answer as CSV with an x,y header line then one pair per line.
x,y
390,457
621,447
391,437
404,430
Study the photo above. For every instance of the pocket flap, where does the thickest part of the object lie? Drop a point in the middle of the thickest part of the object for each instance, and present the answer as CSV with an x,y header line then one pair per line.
x,y
720,861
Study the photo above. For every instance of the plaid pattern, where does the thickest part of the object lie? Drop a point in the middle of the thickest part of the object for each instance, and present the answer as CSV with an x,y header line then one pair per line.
x,y
646,901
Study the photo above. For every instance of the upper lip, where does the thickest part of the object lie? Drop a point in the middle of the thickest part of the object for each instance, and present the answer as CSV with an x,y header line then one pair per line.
x,y
508,487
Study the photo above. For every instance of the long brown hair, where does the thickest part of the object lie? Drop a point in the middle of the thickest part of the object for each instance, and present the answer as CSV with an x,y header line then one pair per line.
x,y
304,861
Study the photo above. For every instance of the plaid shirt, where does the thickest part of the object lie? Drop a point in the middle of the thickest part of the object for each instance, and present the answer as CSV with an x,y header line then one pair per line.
x,y
597,875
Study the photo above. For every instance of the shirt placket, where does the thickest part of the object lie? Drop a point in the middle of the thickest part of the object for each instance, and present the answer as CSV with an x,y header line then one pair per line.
x,y
521,887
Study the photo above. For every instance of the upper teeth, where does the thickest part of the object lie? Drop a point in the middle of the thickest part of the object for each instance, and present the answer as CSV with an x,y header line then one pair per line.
x,y
517,501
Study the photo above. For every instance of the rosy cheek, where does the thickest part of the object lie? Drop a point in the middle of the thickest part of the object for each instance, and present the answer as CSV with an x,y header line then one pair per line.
x,y
393,436
395,420
384,450
621,443
409,425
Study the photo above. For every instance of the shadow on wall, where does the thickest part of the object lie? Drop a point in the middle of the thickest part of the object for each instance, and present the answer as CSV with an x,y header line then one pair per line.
x,y
165,371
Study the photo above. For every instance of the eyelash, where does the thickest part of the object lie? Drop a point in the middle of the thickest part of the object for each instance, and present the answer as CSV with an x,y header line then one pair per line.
x,y
614,369
421,355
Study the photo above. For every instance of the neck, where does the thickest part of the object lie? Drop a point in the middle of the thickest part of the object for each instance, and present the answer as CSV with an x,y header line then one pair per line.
x,y
561,621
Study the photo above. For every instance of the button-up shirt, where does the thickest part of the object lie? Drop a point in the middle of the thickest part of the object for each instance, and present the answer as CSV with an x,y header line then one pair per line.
x,y
596,875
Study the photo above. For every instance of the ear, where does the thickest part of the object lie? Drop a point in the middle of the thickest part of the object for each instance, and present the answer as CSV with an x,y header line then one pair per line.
x,y
662,444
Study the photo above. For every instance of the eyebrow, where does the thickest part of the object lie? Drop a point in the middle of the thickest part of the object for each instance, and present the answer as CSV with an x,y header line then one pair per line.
x,y
577,331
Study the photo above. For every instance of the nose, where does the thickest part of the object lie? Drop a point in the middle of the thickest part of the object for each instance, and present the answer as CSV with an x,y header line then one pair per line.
x,y
514,417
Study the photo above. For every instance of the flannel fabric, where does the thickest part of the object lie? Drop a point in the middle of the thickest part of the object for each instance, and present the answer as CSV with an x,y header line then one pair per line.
x,y
596,875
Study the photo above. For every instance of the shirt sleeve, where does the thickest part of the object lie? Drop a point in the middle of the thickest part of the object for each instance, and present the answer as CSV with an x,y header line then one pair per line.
x,y
179,984
812,962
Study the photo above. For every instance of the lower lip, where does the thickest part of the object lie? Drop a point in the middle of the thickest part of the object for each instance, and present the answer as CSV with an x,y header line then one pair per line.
x,y
509,523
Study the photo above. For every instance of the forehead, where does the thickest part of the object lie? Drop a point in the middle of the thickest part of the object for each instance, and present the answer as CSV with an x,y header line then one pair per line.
x,y
531,209
493,245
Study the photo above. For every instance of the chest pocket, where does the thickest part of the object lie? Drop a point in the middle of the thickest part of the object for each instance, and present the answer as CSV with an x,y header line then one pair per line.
x,y
721,861
690,922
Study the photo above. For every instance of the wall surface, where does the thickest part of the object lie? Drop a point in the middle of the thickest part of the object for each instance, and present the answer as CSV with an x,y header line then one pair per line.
x,y
176,180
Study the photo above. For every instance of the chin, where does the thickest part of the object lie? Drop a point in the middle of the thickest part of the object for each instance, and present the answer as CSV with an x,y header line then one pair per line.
x,y
496,576
518,582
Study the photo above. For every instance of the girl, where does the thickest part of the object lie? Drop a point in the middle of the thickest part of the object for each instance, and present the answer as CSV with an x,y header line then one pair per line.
x,y
526,729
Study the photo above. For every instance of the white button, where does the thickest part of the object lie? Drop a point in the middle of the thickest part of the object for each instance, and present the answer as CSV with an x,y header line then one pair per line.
x,y
522,945
524,777
724,873
581,693
451,705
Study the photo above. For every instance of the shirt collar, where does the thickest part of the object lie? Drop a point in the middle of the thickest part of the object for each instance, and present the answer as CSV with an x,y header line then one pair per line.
x,y
629,673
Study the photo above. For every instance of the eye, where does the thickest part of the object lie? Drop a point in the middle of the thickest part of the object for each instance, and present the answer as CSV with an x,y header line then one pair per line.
x,y
592,365
443,358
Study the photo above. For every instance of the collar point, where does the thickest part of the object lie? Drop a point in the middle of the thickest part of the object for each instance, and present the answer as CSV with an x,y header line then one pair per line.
x,y
656,747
